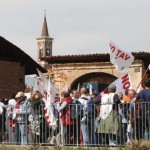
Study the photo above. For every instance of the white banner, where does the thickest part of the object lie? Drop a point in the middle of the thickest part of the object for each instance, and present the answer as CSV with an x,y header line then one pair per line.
x,y
51,93
121,59
49,107
122,83
38,86
49,96
44,80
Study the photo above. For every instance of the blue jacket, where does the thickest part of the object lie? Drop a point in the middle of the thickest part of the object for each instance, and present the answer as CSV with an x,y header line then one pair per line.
x,y
24,111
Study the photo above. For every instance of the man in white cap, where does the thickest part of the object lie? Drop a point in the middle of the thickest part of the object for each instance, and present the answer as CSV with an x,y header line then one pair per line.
x,y
22,110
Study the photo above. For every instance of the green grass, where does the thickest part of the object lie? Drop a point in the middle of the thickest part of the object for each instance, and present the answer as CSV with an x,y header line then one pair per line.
x,y
38,147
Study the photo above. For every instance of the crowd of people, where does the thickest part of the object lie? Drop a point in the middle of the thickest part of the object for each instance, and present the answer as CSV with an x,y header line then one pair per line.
x,y
82,119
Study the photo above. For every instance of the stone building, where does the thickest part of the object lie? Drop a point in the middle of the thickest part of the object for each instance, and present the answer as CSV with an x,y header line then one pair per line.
x,y
70,71
14,65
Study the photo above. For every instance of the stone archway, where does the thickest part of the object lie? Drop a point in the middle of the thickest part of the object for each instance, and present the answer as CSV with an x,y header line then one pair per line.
x,y
99,81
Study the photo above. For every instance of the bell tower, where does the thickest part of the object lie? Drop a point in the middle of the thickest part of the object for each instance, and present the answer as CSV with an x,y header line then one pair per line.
x,y
44,43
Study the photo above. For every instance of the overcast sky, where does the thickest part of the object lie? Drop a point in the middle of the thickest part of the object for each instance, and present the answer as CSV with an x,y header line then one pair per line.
x,y
77,26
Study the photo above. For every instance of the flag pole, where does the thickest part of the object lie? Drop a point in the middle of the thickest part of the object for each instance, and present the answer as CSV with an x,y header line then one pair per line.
x,y
78,88
142,79
33,85
59,91
112,69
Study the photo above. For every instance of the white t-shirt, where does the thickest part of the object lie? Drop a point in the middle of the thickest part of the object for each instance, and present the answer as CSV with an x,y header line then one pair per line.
x,y
84,100
12,102
1,107
106,105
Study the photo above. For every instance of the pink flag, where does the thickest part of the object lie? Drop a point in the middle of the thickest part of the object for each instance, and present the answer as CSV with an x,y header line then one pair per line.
x,y
121,59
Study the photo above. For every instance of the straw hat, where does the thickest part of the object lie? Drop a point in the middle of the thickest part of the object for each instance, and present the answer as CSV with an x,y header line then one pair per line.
x,y
19,94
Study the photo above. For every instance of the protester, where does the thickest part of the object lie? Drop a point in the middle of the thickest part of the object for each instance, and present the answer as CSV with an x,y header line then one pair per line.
x,y
76,112
2,120
94,95
92,110
142,123
67,122
10,120
84,127
123,111
144,95
21,112
129,95
109,123
38,123
117,118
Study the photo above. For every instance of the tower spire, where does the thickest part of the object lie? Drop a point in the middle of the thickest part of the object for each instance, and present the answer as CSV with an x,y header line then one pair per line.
x,y
44,43
44,29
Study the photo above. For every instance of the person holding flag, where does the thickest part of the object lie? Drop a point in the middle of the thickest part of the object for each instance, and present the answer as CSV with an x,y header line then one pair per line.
x,y
49,95
139,108
142,111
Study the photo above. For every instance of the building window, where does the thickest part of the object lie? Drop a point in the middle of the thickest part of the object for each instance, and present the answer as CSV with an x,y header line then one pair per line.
x,y
41,53
47,52
137,69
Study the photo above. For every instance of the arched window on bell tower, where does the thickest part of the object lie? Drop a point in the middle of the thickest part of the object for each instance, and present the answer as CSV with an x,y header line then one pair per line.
x,y
47,51
41,53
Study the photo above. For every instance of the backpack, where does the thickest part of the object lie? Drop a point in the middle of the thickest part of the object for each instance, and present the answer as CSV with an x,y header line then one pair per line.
x,y
76,110
90,107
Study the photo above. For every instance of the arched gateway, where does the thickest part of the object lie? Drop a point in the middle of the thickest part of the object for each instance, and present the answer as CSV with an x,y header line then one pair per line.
x,y
97,80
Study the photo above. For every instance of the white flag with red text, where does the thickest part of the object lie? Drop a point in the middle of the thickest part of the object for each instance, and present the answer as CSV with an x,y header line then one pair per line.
x,y
38,86
44,83
121,59
51,93
122,84
44,80
49,97
50,112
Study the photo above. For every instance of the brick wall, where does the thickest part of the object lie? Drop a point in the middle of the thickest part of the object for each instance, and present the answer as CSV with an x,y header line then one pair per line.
x,y
11,78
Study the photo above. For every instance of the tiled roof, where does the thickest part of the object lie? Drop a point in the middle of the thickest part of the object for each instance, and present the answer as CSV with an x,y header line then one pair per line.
x,y
103,57
76,58
8,51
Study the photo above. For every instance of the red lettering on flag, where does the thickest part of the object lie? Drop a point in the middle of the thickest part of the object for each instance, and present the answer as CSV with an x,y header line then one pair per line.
x,y
125,82
122,55
112,48
127,57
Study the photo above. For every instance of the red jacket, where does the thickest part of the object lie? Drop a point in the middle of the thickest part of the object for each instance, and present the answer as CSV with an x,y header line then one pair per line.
x,y
66,119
